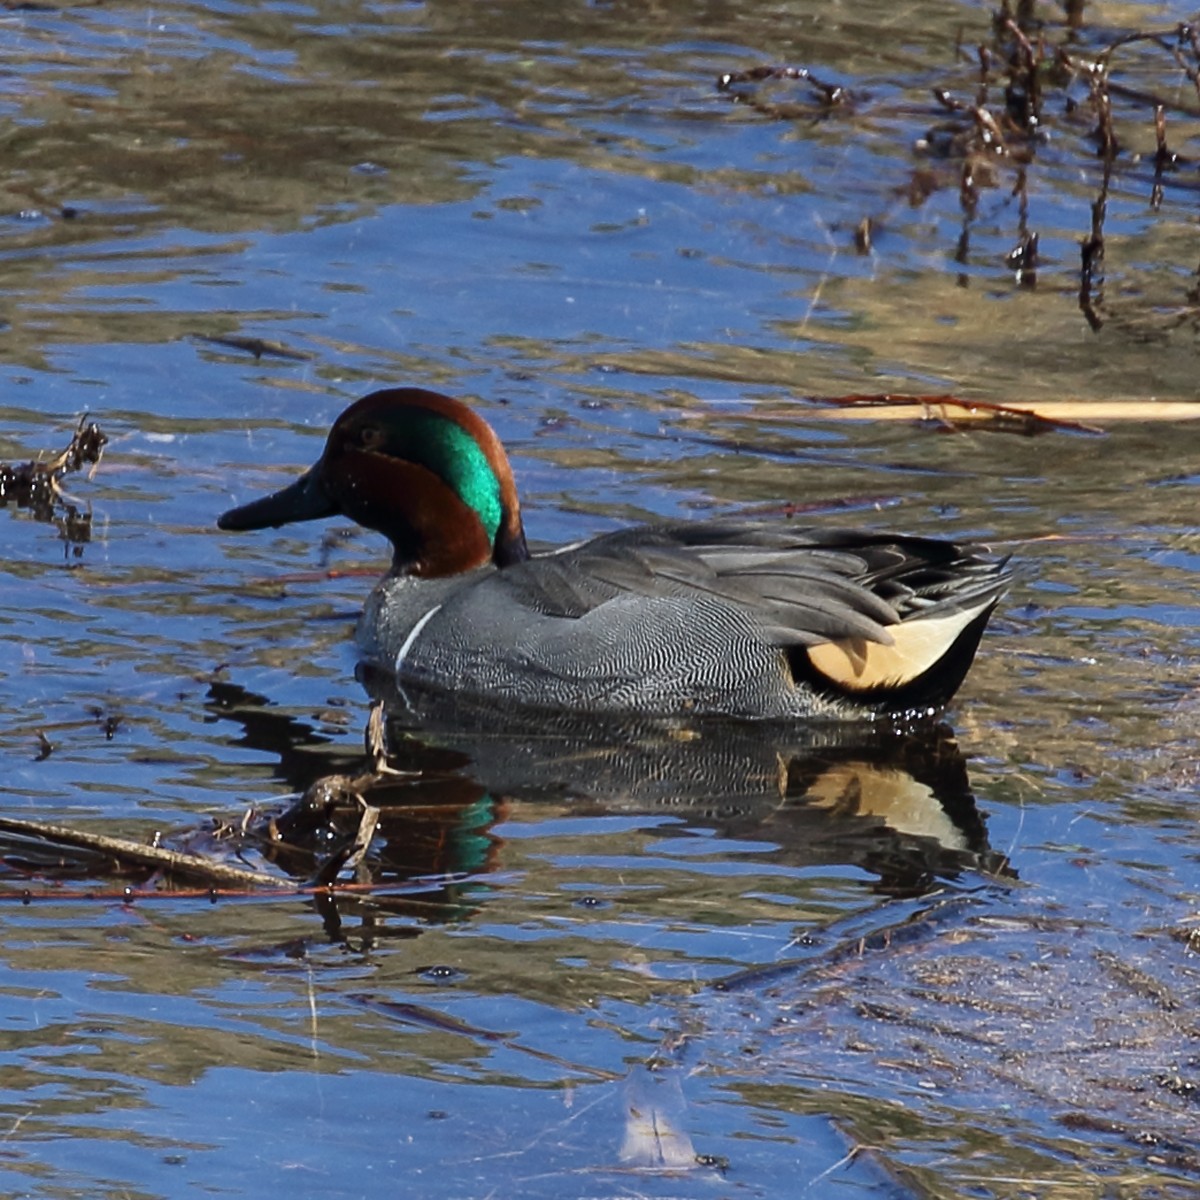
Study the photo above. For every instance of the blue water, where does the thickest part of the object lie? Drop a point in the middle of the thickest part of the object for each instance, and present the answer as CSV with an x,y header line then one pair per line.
x,y
637,281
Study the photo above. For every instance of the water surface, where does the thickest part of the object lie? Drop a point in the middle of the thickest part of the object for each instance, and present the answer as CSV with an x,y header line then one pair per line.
x,y
733,965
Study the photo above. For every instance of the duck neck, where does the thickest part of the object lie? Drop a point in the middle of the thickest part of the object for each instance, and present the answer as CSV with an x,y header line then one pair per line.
x,y
444,536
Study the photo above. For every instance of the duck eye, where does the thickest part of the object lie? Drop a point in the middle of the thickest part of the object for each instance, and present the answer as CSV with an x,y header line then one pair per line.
x,y
370,437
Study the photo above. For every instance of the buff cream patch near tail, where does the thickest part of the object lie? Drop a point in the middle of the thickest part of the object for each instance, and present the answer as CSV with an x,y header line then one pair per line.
x,y
857,665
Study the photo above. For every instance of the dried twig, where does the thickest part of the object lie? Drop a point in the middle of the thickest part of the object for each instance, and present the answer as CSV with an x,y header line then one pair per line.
x,y
129,853
1091,249
259,347
1075,416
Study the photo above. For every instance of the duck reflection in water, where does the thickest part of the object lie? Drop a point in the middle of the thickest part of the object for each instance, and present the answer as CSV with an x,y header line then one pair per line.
x,y
897,805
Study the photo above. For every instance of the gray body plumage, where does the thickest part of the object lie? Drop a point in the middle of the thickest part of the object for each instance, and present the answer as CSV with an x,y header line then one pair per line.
x,y
697,617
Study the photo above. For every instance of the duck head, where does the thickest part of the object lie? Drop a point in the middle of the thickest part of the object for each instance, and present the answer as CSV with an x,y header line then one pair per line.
x,y
418,467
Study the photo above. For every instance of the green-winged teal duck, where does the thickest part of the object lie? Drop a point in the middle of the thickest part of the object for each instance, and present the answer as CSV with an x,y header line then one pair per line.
x,y
747,619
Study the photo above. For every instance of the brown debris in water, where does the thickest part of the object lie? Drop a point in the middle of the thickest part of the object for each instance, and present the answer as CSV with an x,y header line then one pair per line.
x,y
332,803
745,87
949,411
36,485
1028,86
1091,249
259,347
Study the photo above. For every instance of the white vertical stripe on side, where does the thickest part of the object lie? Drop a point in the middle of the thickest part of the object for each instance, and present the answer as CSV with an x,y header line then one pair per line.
x,y
412,637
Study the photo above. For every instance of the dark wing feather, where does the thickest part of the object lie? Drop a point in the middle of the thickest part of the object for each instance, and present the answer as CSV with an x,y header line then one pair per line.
x,y
806,586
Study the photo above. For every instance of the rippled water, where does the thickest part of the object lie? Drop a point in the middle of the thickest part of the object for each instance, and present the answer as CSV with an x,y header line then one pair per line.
x,y
607,962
